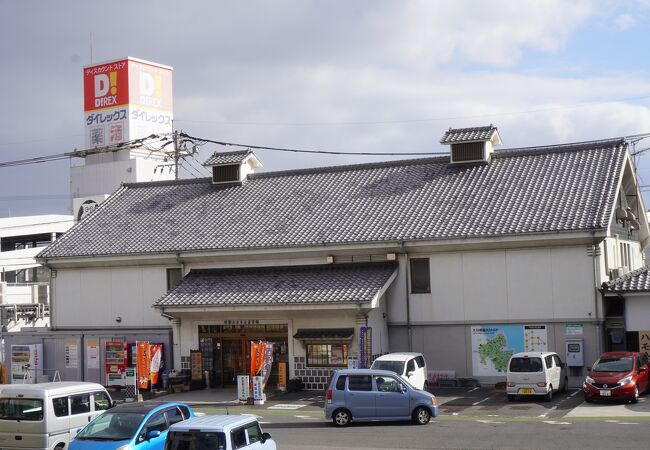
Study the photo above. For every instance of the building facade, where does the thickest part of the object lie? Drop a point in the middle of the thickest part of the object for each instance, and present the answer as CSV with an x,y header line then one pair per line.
x,y
465,258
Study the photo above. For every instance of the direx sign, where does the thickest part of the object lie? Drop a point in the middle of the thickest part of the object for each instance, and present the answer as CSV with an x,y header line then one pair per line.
x,y
106,85
129,81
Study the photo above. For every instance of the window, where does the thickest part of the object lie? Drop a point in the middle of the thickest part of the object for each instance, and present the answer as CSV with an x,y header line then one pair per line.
x,y
420,278
101,400
549,361
174,416
328,354
340,383
526,365
360,383
254,433
21,409
410,366
79,404
185,411
558,361
155,423
420,361
195,440
174,276
60,405
238,438
387,384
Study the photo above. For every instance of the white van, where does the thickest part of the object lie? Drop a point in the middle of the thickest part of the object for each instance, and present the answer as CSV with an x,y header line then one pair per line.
x,y
48,415
536,373
410,366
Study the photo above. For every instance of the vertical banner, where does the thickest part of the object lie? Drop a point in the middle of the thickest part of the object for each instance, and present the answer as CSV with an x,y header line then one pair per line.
x,y
156,357
365,347
644,342
243,387
268,363
197,365
258,391
282,376
258,351
144,361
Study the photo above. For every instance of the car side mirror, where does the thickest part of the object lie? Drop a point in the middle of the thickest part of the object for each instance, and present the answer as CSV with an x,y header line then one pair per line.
x,y
153,434
643,369
403,389
265,437
113,403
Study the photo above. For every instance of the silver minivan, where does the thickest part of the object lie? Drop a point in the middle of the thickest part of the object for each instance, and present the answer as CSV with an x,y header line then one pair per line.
x,y
366,394
48,415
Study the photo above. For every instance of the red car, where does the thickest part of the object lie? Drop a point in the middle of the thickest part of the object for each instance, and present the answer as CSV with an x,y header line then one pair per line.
x,y
617,376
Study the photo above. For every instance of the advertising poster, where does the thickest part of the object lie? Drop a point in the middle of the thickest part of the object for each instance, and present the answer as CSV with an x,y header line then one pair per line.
x,y
268,363
197,365
644,342
71,355
92,350
493,345
258,353
144,361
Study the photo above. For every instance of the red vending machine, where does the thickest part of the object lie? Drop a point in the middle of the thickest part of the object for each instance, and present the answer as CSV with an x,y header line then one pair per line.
x,y
115,361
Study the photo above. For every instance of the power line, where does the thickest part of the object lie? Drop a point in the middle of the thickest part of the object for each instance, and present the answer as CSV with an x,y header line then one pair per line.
x,y
320,152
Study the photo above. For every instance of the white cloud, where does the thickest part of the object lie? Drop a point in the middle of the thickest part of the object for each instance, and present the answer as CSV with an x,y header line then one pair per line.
x,y
625,21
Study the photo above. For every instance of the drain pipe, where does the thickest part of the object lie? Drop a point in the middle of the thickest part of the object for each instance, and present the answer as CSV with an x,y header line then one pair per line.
x,y
599,338
409,329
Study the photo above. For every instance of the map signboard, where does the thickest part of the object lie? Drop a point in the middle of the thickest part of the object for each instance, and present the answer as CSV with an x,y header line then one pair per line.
x,y
493,345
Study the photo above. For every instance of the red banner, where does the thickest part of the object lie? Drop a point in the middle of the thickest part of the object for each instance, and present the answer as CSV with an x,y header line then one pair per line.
x,y
257,357
144,364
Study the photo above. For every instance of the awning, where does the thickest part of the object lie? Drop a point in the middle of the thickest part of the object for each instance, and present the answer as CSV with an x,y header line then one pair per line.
x,y
283,286
324,334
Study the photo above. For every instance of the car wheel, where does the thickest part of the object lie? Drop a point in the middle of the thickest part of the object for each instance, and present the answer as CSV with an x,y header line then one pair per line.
x,y
565,388
421,415
341,418
549,396
512,397
635,396
59,447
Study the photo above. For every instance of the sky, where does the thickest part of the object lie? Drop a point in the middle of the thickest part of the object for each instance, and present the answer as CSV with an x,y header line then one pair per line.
x,y
385,76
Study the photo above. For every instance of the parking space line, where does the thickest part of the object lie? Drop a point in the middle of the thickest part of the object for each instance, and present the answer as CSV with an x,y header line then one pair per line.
x,y
481,401
475,389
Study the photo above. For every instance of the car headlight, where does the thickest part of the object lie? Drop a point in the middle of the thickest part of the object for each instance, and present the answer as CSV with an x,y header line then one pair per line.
x,y
589,380
624,381
433,401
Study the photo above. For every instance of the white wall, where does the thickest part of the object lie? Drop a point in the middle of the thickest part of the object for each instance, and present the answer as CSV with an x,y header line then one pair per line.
x,y
552,283
94,297
637,313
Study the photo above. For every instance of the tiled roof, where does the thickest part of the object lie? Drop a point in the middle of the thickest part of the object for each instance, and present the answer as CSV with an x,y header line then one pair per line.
x,y
468,134
219,158
636,281
335,283
536,190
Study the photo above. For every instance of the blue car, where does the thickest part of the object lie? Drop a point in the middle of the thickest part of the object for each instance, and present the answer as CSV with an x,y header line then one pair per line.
x,y
131,426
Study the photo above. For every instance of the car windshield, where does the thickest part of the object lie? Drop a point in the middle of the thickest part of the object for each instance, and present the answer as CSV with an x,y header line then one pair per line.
x,y
194,440
112,426
614,364
526,365
393,366
23,409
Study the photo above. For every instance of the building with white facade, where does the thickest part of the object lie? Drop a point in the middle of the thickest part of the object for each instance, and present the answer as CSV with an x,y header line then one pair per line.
x,y
24,283
465,258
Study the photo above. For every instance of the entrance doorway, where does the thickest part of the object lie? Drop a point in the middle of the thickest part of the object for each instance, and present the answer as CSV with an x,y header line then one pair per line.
x,y
225,349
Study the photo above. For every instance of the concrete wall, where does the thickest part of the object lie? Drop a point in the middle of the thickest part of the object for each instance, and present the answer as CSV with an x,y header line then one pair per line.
x,y
637,313
96,297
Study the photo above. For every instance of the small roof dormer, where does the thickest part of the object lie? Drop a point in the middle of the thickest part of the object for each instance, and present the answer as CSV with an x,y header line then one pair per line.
x,y
232,167
471,145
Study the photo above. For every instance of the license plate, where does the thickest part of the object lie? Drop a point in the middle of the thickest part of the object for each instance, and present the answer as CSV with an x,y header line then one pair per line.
x,y
605,393
526,391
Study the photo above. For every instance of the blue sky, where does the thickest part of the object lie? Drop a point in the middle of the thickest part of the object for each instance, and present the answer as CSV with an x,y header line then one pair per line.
x,y
358,75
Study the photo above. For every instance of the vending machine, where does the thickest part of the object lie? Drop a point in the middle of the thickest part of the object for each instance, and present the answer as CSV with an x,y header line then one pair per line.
x,y
26,363
115,362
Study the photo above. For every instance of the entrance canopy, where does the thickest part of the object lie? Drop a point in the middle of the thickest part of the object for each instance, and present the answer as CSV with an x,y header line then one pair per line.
x,y
294,285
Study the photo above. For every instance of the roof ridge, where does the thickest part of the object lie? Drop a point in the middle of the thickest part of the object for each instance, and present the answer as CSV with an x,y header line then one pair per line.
x,y
556,148
629,275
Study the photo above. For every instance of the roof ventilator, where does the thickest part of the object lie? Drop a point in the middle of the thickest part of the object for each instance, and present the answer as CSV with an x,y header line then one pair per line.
x,y
232,167
471,145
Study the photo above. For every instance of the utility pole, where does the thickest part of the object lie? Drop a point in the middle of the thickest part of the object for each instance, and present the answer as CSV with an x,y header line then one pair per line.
x,y
176,155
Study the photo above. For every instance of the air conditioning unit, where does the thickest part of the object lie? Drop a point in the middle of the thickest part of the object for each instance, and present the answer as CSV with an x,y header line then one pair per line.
x,y
617,273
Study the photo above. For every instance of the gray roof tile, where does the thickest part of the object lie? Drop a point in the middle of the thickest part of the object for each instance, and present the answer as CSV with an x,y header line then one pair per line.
x,y
524,191
335,283
454,135
635,281
220,158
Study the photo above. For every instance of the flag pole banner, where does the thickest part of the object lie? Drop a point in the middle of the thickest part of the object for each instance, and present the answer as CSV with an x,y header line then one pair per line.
x,y
268,362
144,364
156,357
